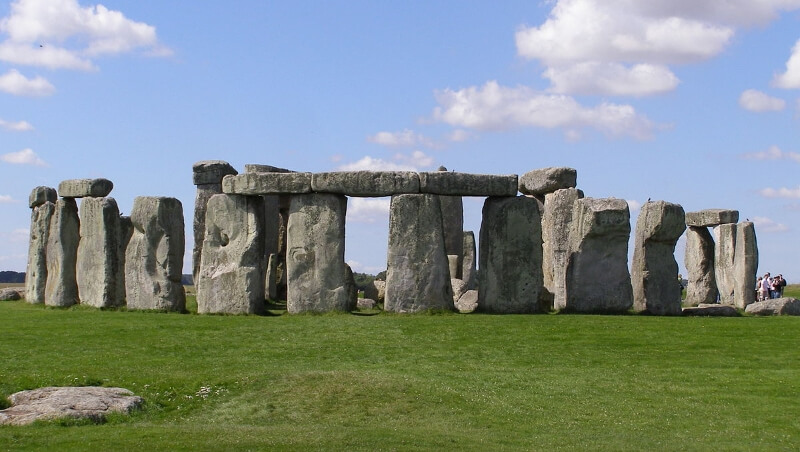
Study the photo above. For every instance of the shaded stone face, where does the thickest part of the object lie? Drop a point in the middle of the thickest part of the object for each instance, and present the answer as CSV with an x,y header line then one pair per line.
x,y
317,275
62,252
556,223
547,180
453,228
654,271
99,268
745,265
267,183
207,176
417,275
211,172
711,217
699,262
83,188
724,253
510,256
597,277
154,255
366,183
465,184
231,278
469,271
41,195
36,273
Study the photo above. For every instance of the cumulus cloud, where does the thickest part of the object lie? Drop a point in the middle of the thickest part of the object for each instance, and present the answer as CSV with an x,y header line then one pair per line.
x,y
495,107
18,126
13,82
460,135
790,78
595,77
23,157
772,153
764,224
367,210
6,199
415,161
406,138
756,101
790,193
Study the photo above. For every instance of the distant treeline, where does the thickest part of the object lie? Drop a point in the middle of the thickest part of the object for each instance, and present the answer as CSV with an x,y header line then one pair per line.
x,y
12,277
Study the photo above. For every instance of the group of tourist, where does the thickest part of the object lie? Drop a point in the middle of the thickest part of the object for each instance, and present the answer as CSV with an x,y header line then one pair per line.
x,y
769,287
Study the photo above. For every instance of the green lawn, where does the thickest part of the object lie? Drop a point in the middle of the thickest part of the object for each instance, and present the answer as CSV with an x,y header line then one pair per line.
x,y
411,382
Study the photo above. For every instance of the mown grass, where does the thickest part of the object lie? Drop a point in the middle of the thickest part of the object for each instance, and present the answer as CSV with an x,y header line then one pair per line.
x,y
410,382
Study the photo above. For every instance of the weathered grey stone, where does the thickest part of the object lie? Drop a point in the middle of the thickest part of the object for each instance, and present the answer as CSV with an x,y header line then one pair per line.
x,y
62,252
711,217
315,255
711,310
350,285
469,272
597,277
366,183
654,271
547,180
699,262
231,278
465,184
556,224
452,265
125,234
510,256
270,285
366,303
371,290
417,277
453,228
267,183
724,254
258,168
468,302
775,306
211,172
202,195
154,255
459,287
273,232
36,273
10,294
86,402
84,188
745,265
99,269
381,288
41,195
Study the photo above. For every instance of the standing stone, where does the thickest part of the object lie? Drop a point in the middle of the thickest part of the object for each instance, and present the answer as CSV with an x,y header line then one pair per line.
x,y
699,262
350,285
62,252
315,255
510,256
154,255
231,278
745,265
469,271
125,234
417,275
597,277
556,223
453,226
654,273
380,286
724,252
271,287
99,268
207,176
36,273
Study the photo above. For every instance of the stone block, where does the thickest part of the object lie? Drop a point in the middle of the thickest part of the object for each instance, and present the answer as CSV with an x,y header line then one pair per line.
x,y
85,188
41,195
258,168
699,262
211,172
469,271
202,195
724,254
466,184
556,224
453,228
745,265
775,306
468,302
99,269
62,253
267,183
36,273
711,217
711,310
547,180
366,183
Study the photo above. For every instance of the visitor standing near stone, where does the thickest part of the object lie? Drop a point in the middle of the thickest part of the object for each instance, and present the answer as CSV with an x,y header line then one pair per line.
x,y
207,175
42,203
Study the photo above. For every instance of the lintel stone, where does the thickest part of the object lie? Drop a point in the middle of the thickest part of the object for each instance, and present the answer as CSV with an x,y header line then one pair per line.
x,y
267,183
366,183
711,217
82,188
466,184
41,195
547,180
258,168
211,171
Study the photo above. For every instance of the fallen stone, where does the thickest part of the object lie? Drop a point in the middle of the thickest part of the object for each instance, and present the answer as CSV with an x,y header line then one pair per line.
x,y
775,306
468,302
366,303
699,262
88,402
211,171
36,271
62,253
366,183
547,180
99,270
469,271
267,184
745,265
724,260
84,188
465,184
556,224
459,287
711,310
711,217
10,294
41,195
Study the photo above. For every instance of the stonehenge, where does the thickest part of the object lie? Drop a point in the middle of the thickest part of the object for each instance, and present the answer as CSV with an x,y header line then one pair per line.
x,y
42,203
99,269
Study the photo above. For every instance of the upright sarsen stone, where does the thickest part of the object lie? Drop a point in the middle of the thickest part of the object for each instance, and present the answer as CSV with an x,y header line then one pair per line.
x,y
745,265
510,256
469,270
231,278
453,227
317,276
699,262
724,252
99,268
417,276
62,252
36,273
556,224
654,272
154,254
207,175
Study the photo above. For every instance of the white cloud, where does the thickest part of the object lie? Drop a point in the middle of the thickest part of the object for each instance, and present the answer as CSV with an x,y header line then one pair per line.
x,y
633,205
764,224
594,77
19,126
758,102
791,193
13,82
406,138
772,153
495,107
790,78
460,135
6,199
368,210
23,157
416,161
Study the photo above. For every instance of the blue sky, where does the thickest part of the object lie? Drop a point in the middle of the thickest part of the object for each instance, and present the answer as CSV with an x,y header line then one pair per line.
x,y
684,101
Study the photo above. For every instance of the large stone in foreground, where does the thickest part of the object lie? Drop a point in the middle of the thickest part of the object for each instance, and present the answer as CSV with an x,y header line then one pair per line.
x,y
724,255
99,270
10,294
510,256
36,272
231,278
699,262
775,306
366,183
267,183
654,271
597,277
466,184
40,195
154,255
86,402
417,276
83,188
62,253
711,217
556,223
317,273
547,180
745,265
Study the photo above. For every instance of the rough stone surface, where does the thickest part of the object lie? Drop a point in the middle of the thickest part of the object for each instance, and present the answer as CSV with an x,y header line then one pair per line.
x,y
258,168
366,183
469,271
459,287
270,285
350,285
371,291
83,188
417,277
381,287
654,271
775,306
41,195
711,217
452,265
99,269
231,278
510,256
465,184
87,402
267,183
745,265
711,310
699,262
547,180
62,252
597,277
36,272
724,255
556,223
202,195
453,227
366,303
154,255
315,255
272,231
211,172
468,302
10,294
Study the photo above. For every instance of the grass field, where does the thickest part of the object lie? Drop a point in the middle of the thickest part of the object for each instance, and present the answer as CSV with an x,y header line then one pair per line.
x,y
413,382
